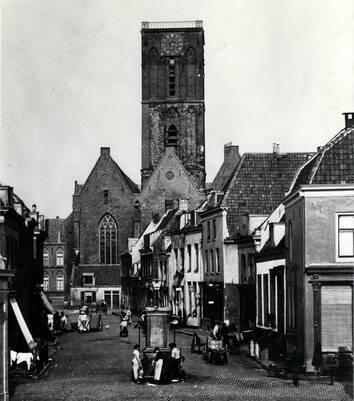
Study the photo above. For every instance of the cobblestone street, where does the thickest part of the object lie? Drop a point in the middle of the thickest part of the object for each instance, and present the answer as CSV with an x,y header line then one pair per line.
x,y
96,366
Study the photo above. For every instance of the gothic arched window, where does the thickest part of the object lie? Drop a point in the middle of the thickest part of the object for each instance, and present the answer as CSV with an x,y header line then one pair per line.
x,y
172,136
108,240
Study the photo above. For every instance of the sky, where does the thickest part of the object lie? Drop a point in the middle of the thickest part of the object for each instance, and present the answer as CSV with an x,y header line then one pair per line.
x,y
275,71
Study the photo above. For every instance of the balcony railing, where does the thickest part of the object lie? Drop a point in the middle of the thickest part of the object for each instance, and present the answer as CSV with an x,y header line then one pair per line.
x,y
172,24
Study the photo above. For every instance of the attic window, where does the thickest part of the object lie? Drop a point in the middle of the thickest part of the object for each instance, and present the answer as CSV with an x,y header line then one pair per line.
x,y
105,196
172,136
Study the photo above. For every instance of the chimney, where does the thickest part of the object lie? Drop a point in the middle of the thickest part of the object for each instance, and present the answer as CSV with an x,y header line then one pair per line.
x,y
349,120
230,151
105,152
276,148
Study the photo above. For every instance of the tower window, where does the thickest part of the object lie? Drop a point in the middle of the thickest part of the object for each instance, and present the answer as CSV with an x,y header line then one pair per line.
x,y
105,196
172,136
172,78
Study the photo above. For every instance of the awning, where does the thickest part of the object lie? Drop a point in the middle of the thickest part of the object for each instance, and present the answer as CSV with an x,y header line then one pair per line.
x,y
23,326
47,304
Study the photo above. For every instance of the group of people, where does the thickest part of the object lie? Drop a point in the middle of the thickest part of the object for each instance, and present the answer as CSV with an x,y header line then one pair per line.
x,y
174,365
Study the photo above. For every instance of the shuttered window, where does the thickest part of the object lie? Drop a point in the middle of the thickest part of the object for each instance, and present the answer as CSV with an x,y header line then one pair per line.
x,y
336,317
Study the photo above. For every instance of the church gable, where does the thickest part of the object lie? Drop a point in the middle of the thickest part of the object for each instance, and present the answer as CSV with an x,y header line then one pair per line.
x,y
105,200
107,175
168,183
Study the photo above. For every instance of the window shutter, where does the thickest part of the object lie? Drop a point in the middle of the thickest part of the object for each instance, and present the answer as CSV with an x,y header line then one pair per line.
x,y
336,311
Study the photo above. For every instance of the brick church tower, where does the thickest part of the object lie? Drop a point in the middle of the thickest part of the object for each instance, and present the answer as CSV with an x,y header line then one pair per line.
x,y
173,97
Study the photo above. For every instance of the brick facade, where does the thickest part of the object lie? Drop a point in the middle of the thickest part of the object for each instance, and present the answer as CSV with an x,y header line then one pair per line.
x,y
181,108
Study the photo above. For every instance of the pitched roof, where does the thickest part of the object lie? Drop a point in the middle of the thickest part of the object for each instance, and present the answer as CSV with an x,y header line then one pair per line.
x,y
332,164
104,275
231,159
106,151
131,184
259,183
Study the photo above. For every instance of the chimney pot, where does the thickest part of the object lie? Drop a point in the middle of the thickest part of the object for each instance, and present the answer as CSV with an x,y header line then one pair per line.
x,y
230,150
349,120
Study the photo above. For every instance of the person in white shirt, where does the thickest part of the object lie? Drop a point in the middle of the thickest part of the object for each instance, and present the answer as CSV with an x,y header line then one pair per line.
x,y
136,362
175,361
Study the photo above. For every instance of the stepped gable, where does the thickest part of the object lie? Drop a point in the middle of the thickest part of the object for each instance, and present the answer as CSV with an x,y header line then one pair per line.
x,y
332,164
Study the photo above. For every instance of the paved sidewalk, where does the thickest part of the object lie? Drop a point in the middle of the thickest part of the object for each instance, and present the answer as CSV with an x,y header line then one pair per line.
x,y
96,366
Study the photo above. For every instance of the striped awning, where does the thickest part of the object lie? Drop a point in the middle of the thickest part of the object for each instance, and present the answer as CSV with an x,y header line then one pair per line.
x,y
46,303
23,326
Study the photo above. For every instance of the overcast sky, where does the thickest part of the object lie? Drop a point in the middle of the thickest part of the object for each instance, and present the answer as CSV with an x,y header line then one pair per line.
x,y
275,71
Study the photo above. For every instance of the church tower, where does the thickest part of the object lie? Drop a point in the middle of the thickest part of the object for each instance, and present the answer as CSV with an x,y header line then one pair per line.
x,y
173,96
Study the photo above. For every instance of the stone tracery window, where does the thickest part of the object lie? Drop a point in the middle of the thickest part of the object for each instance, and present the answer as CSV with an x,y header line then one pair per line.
x,y
108,240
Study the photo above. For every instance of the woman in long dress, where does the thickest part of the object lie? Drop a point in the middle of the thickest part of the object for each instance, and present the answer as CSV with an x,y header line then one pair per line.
x,y
158,363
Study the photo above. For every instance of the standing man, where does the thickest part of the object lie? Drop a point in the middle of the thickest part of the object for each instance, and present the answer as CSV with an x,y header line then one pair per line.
x,y
175,362
136,363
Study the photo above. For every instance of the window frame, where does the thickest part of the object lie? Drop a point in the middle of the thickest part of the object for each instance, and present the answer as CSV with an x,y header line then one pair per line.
x,y
196,252
46,281
92,275
337,239
57,281
59,257
45,259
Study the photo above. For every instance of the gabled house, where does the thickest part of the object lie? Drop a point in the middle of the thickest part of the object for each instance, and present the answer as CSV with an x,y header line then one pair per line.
x,y
230,219
56,259
270,286
186,269
319,217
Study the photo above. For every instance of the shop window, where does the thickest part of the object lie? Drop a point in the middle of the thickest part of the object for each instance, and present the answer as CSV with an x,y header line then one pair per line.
x,y
108,240
336,312
59,257
45,257
46,283
60,282
346,236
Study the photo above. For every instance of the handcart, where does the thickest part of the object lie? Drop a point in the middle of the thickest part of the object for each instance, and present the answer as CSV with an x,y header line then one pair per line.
x,y
215,351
